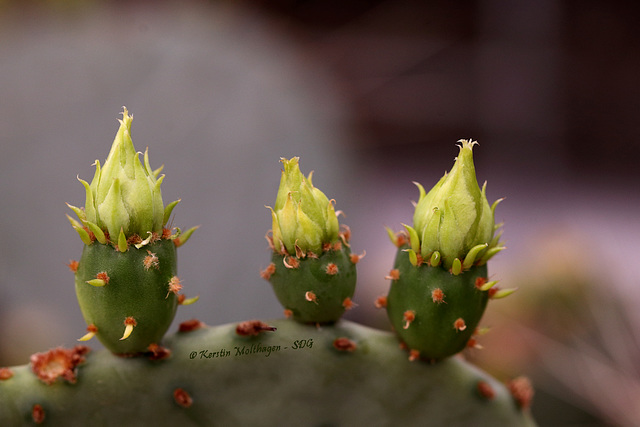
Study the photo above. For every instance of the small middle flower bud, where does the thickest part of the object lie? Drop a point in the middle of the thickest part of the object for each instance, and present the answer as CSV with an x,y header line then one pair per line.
x,y
302,216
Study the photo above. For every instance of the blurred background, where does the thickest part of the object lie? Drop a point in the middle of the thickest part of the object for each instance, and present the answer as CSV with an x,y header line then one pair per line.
x,y
372,95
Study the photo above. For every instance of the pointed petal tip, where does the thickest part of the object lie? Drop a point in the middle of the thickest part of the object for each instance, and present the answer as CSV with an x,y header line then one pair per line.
x,y
87,336
189,301
456,267
488,285
503,293
183,237
435,259
129,324
98,283
123,246
127,332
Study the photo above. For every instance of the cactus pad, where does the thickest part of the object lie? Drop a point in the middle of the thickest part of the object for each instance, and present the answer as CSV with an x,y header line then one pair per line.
x,y
340,375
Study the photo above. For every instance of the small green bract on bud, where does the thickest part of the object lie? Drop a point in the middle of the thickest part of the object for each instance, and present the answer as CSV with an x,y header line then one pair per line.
x,y
303,216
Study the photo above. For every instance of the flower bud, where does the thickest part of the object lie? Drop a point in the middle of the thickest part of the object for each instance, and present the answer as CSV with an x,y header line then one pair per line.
x,y
303,216
454,217
124,194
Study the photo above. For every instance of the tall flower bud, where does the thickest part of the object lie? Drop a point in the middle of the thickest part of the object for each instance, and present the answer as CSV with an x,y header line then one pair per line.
x,y
455,216
124,194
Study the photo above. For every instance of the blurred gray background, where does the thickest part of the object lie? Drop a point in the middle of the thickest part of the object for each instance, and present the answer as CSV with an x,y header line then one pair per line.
x,y
372,95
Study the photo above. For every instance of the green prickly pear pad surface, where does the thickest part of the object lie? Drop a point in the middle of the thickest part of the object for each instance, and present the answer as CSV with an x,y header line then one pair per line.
x,y
328,288
341,375
138,287
433,330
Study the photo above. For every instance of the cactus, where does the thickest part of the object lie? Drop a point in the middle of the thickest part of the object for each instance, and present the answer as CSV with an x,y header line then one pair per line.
x,y
126,280
248,374
312,269
439,283
314,370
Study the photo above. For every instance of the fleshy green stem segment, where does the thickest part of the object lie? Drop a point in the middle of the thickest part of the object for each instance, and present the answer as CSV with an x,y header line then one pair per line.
x,y
342,375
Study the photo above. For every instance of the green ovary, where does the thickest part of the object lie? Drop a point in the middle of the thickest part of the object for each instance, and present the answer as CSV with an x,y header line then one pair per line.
x,y
138,287
315,291
433,330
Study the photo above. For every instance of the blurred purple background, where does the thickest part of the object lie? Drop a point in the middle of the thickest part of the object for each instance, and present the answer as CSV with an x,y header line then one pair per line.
x,y
372,95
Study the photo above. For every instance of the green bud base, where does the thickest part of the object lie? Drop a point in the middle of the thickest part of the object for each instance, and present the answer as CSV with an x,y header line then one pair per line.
x,y
299,375
311,288
437,325
138,287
